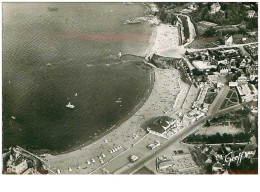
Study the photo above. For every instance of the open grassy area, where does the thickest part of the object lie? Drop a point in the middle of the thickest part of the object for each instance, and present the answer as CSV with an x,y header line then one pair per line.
x,y
203,42
231,99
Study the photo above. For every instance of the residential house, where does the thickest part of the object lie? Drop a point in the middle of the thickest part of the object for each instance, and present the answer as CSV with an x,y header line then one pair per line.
x,y
251,13
214,8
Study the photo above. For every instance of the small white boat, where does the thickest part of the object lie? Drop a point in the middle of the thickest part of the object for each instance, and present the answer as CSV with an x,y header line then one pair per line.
x,y
119,54
13,117
70,106
119,100
76,94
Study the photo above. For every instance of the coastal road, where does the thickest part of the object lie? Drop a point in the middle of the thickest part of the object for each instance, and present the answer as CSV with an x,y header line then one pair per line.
x,y
177,138
223,46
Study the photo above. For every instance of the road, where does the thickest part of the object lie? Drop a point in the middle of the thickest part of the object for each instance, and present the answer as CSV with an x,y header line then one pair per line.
x,y
222,46
219,99
174,139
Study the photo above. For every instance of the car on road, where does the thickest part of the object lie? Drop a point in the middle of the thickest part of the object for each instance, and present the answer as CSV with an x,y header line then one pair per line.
x,y
103,155
154,145
133,158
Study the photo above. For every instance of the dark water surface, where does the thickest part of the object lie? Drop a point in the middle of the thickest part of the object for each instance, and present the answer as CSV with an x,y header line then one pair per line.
x,y
49,56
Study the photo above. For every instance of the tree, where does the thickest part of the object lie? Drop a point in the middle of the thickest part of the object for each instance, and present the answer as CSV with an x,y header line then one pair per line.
x,y
213,70
207,124
210,32
197,72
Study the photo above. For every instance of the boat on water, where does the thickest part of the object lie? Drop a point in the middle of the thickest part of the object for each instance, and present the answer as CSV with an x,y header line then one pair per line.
x,y
13,117
119,54
119,100
70,106
52,8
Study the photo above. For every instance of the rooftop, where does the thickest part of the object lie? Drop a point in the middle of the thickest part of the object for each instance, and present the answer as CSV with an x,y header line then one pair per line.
x,y
161,124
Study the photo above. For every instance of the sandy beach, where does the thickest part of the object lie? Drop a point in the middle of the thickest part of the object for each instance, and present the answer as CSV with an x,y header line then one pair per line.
x,y
165,37
162,98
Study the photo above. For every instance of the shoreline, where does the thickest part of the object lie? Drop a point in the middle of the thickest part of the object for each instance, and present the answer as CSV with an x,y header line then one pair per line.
x,y
163,83
123,134
148,52
160,31
118,124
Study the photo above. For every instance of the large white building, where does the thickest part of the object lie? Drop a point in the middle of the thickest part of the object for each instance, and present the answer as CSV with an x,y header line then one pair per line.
x,y
17,165
161,125
247,92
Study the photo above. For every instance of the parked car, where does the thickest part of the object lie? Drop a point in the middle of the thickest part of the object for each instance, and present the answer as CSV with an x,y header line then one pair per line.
x,y
133,158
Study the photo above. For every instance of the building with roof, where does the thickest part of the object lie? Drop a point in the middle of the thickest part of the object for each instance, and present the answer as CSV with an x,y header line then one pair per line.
x,y
160,125
250,13
228,40
214,8
17,165
252,71
193,6
242,80
232,84
223,69
217,167
246,92
165,164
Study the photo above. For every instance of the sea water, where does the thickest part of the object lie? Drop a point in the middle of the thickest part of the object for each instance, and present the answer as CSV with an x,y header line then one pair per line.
x,y
52,57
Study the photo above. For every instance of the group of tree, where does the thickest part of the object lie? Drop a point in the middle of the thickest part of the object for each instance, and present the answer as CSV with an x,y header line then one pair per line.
x,y
167,16
235,76
230,14
210,32
218,138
